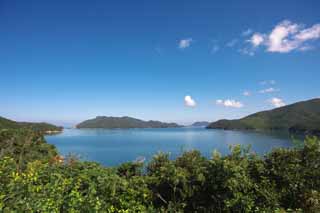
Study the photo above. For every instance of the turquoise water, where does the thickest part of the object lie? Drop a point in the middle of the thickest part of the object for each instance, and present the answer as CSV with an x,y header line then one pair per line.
x,y
112,147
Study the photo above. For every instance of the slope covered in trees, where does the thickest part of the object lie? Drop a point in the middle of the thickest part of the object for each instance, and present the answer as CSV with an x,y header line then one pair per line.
x,y
200,124
301,117
123,122
38,127
24,146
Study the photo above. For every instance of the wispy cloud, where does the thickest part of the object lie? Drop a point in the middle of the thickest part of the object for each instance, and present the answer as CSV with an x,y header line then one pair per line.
x,y
246,93
247,32
189,101
184,43
269,90
257,39
286,37
247,51
306,48
266,82
232,43
277,102
229,103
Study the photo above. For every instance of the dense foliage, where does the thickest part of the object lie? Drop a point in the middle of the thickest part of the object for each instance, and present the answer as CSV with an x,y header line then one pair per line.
x,y
123,122
38,127
301,117
285,180
25,146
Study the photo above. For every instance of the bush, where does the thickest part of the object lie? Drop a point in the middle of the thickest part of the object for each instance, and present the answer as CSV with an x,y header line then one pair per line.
x,y
24,146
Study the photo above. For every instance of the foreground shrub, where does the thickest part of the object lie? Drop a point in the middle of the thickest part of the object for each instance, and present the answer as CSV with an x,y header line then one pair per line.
x,y
81,187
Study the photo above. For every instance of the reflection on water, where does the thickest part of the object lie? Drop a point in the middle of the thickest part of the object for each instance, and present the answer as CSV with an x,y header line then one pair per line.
x,y
112,147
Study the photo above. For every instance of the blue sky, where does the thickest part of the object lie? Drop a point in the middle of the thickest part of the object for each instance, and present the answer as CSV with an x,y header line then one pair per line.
x,y
182,61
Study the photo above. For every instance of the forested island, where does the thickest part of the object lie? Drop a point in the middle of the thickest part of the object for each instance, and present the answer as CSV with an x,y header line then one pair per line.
x,y
301,117
123,123
35,178
200,124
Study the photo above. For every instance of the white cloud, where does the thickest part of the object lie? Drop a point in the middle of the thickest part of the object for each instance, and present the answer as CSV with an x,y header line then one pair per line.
x,y
268,82
279,37
247,51
247,32
229,103
309,33
189,102
246,93
277,102
269,90
306,48
286,37
232,43
219,101
257,39
184,43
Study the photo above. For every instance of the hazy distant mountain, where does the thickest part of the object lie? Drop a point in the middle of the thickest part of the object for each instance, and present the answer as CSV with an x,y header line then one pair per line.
x,y
200,124
40,127
301,117
123,122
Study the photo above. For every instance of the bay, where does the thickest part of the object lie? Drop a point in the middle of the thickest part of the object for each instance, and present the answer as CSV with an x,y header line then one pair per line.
x,y
112,147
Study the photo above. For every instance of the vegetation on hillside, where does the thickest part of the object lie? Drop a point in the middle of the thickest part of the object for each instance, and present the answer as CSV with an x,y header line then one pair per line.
x,y
285,180
24,145
200,124
38,127
301,117
123,122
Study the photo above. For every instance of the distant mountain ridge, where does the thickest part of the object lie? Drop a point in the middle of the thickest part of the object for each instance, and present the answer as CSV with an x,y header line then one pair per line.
x,y
300,117
123,122
38,127
200,124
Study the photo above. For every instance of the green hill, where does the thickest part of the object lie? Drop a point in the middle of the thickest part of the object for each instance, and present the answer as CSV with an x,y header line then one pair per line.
x,y
123,122
301,117
38,127
200,124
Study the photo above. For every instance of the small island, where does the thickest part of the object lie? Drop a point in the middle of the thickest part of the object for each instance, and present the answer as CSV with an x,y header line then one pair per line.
x,y
105,122
301,117
200,124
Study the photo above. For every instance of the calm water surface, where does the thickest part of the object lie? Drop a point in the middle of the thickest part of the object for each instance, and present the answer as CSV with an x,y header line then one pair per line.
x,y
112,147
